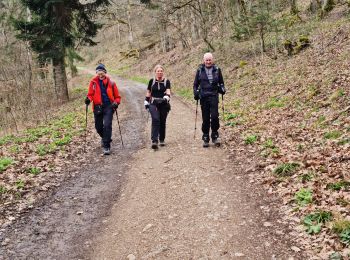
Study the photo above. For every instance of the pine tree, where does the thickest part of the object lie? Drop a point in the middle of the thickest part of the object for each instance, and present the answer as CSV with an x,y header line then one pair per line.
x,y
55,27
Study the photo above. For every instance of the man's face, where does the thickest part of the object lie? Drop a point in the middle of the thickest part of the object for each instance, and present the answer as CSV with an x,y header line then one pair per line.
x,y
101,74
208,61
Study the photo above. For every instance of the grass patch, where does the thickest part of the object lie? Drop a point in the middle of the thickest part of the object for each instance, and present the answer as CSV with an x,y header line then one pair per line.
x,y
344,141
42,149
342,202
303,197
7,139
314,221
312,91
338,185
286,169
15,149
307,177
33,170
20,184
275,102
251,139
3,190
340,225
337,94
79,90
63,141
342,228
4,163
230,116
139,79
268,144
186,93
332,134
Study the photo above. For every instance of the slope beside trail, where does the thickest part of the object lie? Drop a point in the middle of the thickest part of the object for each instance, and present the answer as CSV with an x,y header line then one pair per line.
x,y
187,202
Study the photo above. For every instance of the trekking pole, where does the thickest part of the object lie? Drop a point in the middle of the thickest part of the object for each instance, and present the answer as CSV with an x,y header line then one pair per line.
x,y
121,137
86,112
147,115
195,121
223,108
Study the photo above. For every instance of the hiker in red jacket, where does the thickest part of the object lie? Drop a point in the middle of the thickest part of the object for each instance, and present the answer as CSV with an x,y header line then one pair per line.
x,y
104,94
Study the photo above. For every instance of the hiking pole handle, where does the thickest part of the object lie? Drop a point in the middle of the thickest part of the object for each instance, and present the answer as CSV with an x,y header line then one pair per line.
x,y
120,132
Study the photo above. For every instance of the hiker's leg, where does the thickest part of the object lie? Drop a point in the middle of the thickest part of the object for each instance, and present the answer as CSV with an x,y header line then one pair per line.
x,y
107,126
155,122
163,112
214,115
205,107
99,124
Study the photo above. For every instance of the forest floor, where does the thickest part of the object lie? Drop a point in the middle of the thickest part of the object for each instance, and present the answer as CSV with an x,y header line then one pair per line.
x,y
180,202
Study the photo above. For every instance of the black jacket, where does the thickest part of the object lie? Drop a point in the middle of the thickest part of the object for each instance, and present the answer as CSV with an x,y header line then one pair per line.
x,y
202,83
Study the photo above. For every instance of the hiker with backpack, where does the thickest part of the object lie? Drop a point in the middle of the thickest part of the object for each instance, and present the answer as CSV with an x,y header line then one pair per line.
x,y
157,103
104,95
207,86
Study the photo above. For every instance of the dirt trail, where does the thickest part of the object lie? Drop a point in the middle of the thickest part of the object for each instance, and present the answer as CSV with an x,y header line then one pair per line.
x,y
180,202
187,202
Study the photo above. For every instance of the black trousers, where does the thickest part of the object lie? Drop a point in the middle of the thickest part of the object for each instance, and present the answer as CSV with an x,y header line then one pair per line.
x,y
159,114
210,116
103,125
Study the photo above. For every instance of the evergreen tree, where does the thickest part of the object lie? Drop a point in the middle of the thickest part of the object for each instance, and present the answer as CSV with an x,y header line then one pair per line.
x,y
56,26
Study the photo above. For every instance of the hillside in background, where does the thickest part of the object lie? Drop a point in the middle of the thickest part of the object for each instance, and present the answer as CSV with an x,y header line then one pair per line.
x,y
291,111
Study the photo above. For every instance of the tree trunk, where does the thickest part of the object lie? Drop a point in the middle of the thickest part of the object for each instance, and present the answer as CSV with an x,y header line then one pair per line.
x,y
262,38
131,33
60,78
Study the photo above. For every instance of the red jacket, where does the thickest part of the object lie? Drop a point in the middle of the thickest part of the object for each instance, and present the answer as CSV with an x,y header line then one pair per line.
x,y
94,93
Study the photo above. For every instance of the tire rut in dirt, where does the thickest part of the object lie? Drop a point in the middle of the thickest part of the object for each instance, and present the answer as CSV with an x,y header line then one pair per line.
x,y
61,226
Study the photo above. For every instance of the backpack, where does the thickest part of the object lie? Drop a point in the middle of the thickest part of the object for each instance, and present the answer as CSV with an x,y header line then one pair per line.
x,y
154,81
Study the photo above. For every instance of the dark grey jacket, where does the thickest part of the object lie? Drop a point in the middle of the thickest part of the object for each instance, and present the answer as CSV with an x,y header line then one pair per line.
x,y
202,83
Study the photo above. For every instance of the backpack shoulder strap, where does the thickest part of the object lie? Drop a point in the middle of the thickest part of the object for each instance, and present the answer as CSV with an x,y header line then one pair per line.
x,y
112,86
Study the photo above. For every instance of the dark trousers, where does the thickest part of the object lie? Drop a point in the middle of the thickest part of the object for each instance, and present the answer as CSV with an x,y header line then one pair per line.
x,y
103,125
210,116
159,114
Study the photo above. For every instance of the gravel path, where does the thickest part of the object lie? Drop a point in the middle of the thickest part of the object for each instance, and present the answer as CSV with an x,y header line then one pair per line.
x,y
187,202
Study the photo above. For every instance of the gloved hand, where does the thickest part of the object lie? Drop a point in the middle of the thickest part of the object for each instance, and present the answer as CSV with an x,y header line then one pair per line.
x,y
115,105
221,89
196,94
167,98
87,101
146,103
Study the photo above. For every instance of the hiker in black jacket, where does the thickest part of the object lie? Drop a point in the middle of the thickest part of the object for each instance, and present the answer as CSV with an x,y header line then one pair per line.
x,y
207,86
157,102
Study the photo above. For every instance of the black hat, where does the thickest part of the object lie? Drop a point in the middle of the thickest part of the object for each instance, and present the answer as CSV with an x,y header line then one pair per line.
x,y
101,67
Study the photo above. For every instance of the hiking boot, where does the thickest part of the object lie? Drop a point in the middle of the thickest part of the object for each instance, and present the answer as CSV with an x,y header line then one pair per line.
x,y
205,139
161,143
154,145
102,143
216,142
106,151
